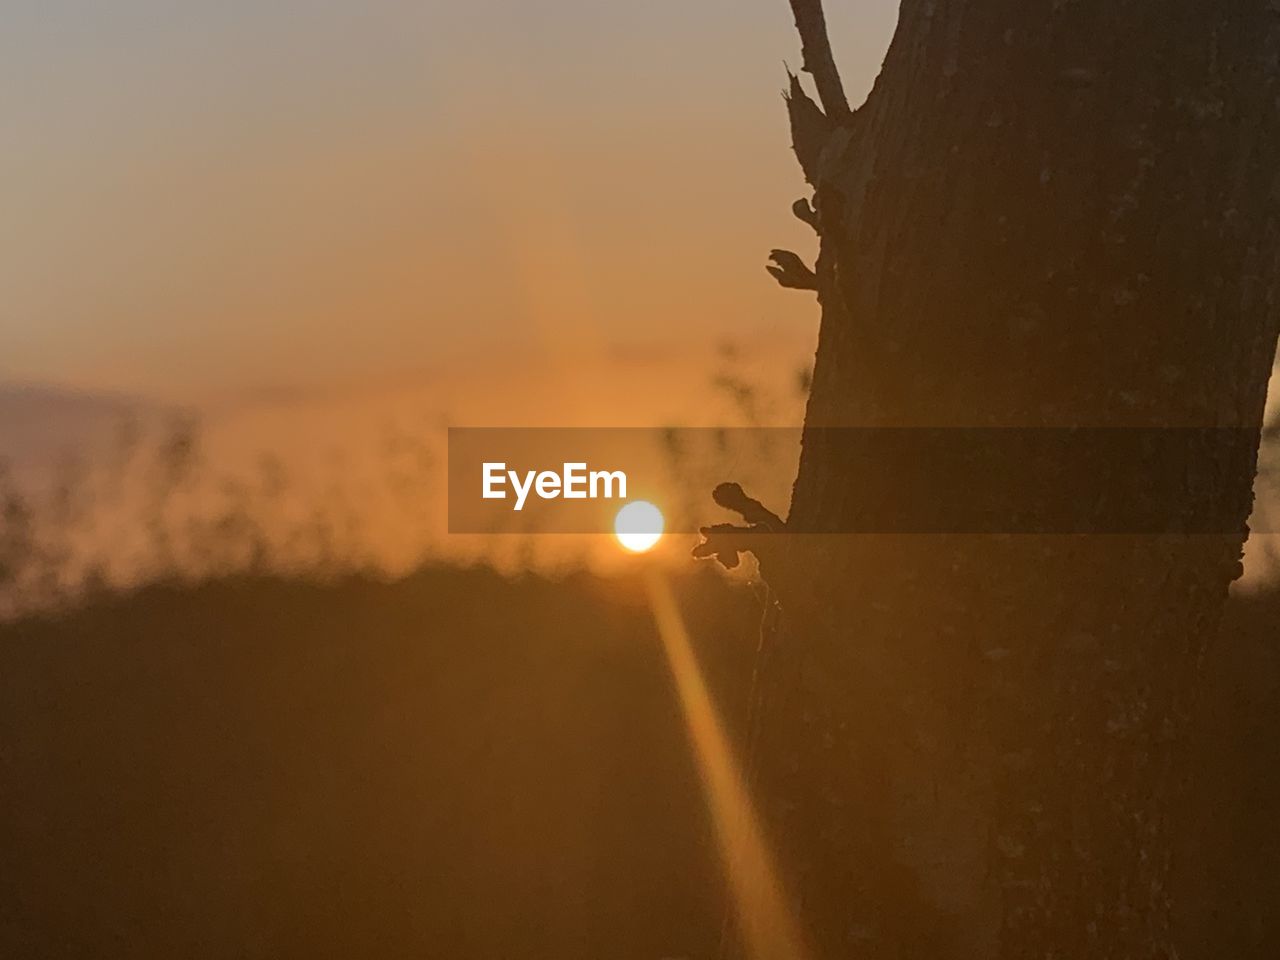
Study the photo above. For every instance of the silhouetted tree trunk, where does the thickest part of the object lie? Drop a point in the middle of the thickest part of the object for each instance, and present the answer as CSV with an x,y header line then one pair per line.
x,y
1048,213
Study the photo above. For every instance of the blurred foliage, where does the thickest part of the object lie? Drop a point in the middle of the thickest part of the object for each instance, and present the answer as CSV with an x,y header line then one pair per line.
x,y
456,765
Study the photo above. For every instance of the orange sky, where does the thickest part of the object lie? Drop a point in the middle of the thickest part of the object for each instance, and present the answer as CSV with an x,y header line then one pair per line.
x,y
321,220
210,202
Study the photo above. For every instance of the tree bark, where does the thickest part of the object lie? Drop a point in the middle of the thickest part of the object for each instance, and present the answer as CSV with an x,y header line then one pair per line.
x,y
1048,214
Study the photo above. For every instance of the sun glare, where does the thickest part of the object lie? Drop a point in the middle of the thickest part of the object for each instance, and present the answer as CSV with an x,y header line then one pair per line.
x,y
638,526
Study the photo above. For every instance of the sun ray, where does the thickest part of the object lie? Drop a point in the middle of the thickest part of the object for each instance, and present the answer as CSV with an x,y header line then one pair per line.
x,y
768,927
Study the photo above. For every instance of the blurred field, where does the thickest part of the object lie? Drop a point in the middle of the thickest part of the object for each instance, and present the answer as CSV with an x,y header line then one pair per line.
x,y
457,765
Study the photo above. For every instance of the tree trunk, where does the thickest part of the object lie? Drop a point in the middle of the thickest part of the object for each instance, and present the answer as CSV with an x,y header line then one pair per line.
x,y
1048,214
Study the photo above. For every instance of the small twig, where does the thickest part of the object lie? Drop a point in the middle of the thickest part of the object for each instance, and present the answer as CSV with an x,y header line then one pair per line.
x,y
815,48
805,213
790,271
731,496
810,128
725,543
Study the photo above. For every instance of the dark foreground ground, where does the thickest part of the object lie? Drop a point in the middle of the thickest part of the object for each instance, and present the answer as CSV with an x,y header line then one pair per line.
x,y
454,766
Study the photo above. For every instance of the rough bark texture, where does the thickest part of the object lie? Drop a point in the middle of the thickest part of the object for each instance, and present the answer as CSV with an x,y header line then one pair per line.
x,y
1048,213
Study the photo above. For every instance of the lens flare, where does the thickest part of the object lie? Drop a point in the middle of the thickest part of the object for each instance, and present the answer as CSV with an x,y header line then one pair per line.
x,y
765,917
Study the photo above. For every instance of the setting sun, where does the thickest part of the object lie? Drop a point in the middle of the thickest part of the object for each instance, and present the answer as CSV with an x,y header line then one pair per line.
x,y
638,526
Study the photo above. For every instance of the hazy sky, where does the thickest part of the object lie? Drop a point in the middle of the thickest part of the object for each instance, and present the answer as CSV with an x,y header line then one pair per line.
x,y
221,197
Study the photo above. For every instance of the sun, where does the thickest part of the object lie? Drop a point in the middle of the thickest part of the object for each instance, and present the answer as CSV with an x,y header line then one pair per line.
x,y
638,526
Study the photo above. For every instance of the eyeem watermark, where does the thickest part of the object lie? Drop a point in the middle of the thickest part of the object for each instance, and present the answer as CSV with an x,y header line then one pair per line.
x,y
899,480
573,482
